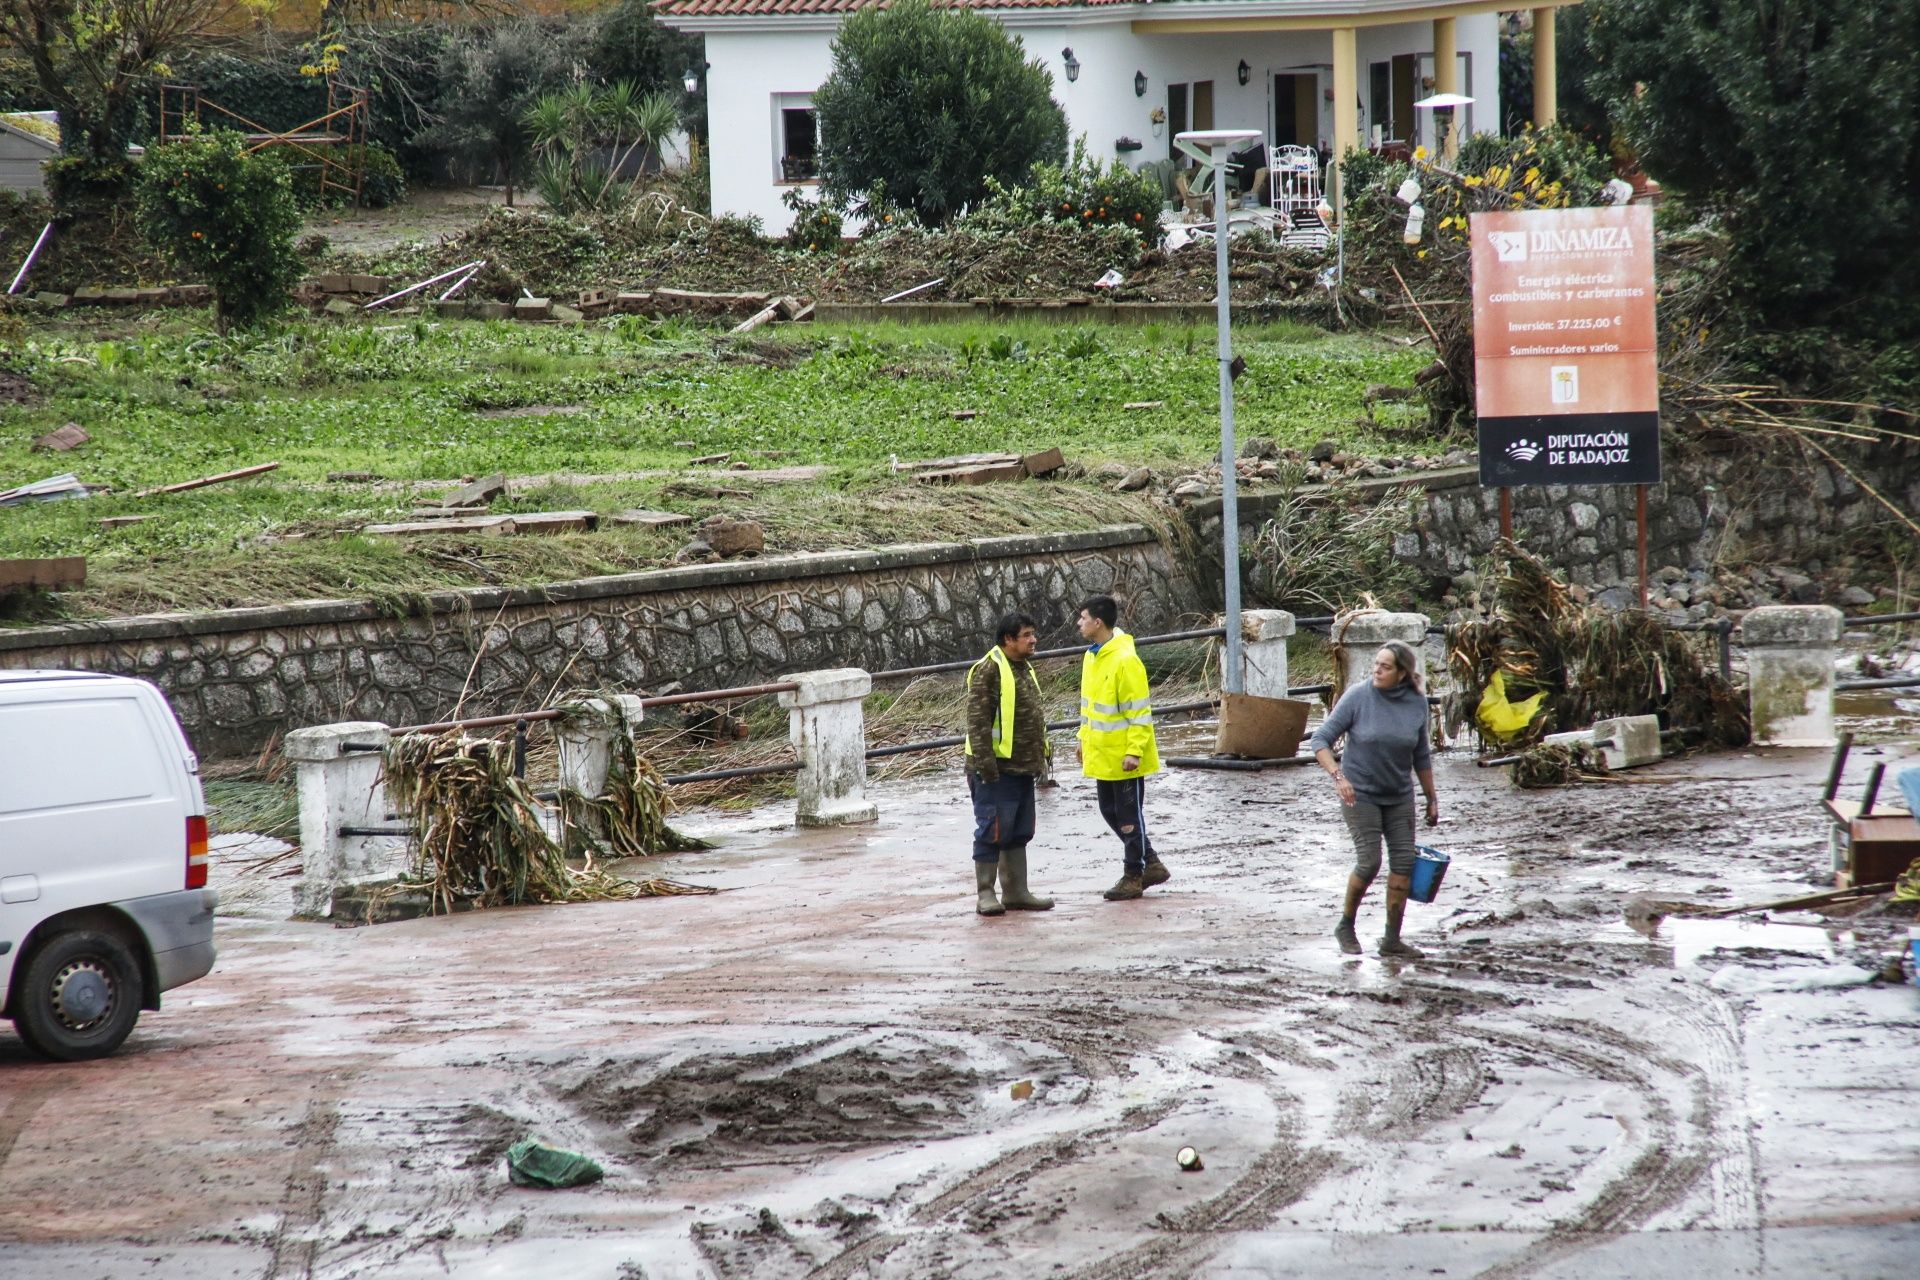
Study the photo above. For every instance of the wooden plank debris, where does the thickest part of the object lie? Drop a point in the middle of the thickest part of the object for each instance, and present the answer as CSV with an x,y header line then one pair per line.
x,y
766,315
709,460
1045,462
693,296
204,481
525,522
71,436
642,518
963,415
42,574
444,513
961,460
405,528
477,494
121,522
984,473
354,477
1137,406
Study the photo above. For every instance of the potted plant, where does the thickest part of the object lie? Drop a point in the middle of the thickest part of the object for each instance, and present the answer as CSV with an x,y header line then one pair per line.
x,y
1158,117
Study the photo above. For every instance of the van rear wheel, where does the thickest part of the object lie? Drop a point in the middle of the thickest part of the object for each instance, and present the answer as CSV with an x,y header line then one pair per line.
x,y
79,997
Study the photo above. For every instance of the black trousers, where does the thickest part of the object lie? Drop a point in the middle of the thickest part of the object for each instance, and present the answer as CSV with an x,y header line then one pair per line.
x,y
1003,815
1124,805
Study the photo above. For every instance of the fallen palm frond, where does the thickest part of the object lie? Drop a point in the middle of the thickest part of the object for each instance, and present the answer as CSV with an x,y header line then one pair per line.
x,y
1555,765
481,837
1591,663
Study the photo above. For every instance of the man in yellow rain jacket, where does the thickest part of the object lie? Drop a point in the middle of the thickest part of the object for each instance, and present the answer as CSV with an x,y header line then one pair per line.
x,y
1117,747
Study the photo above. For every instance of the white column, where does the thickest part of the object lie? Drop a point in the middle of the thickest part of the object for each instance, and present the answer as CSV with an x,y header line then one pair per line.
x,y
1365,632
1263,651
827,722
340,788
1790,673
586,740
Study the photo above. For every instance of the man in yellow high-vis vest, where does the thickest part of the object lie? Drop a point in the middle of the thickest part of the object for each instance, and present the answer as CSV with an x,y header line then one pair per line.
x,y
1006,750
1117,745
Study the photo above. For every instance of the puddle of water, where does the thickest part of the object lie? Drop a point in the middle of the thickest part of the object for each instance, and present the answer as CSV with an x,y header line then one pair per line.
x,y
1692,940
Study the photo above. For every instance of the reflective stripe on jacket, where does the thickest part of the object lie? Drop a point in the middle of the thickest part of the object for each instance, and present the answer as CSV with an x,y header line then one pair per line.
x,y
1002,718
1116,712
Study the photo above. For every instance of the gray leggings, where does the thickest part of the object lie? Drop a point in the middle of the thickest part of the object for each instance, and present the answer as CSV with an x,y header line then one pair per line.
x,y
1370,822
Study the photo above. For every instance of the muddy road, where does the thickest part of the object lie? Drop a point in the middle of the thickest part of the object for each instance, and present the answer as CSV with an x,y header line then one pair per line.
x,y
812,1074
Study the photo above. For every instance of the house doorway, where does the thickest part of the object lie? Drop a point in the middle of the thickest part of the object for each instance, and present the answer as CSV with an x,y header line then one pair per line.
x,y
1189,106
1296,110
1391,94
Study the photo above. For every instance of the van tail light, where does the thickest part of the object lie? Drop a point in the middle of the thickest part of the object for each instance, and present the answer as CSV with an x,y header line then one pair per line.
x,y
196,853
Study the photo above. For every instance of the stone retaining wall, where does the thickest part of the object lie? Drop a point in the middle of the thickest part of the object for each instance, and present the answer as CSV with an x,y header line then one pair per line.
x,y
239,677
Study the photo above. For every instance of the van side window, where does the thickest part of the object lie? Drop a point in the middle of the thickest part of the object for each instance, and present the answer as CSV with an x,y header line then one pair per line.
x,y
59,754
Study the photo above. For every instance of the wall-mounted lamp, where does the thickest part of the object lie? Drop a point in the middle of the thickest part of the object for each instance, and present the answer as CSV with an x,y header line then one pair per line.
x,y
1139,84
1244,71
692,79
1070,63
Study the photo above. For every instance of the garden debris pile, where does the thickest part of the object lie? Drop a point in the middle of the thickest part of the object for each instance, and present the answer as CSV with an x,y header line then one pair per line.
x,y
1591,664
481,837
630,819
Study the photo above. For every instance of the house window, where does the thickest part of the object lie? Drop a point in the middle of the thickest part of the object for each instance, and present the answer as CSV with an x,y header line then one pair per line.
x,y
796,138
1391,93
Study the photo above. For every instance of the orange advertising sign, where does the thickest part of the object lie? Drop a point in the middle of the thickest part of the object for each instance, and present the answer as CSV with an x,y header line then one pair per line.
x,y
1564,346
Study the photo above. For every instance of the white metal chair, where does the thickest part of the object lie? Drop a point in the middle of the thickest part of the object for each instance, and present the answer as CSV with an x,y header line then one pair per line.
x,y
1293,175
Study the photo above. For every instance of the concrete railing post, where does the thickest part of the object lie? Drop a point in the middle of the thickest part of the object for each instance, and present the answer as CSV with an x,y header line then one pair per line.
x,y
1263,651
340,788
586,740
1790,673
1363,634
826,719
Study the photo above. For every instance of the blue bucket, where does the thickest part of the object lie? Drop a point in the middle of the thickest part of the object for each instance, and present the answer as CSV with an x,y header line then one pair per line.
x,y
1429,869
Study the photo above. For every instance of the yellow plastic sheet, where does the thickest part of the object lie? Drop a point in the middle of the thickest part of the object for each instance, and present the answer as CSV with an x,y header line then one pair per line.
x,y
1501,719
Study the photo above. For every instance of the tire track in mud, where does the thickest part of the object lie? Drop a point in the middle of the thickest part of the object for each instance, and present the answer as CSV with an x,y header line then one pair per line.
x,y
1277,1178
19,1113
1658,1177
295,1248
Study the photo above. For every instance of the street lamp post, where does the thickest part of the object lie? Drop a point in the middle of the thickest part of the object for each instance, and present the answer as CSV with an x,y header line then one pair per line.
x,y
1212,147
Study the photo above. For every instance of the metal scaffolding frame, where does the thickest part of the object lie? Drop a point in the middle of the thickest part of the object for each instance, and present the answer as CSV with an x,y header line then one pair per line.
x,y
333,143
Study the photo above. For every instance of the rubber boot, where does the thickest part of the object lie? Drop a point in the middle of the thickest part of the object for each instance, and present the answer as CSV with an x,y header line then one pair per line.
x,y
1344,934
1013,882
1155,873
983,873
1398,887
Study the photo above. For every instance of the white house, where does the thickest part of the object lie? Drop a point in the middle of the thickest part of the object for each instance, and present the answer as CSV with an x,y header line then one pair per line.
x,y
1330,74
28,139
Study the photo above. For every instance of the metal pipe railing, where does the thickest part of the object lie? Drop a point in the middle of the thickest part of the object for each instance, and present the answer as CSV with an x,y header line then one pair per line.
x,y
943,668
1891,682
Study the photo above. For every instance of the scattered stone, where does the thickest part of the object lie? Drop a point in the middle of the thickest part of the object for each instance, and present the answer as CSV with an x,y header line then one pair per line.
x,y
727,537
1854,597
1190,488
561,313
1135,480
71,436
1322,451
353,477
1262,447
532,308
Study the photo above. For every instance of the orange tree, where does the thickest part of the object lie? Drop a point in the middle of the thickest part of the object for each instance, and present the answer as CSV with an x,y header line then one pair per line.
x,y
225,216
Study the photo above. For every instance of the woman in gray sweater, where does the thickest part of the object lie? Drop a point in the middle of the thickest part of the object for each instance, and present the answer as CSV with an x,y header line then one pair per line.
x,y
1385,724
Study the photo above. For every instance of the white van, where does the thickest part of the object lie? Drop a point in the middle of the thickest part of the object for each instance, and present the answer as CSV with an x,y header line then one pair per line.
x,y
103,858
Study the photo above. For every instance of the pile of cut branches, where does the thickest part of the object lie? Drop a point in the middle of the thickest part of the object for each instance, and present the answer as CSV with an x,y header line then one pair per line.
x,y
481,837
1592,663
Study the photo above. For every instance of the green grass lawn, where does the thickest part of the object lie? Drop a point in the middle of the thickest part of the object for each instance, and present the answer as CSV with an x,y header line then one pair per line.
x,y
633,399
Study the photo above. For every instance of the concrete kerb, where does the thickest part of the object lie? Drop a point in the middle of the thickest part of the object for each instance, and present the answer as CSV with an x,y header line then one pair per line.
x,y
1790,678
340,788
826,720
